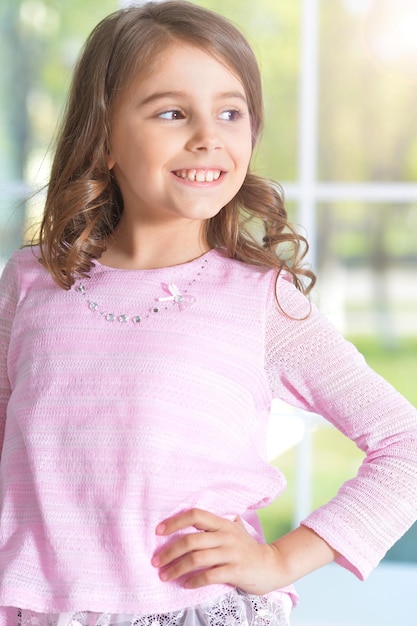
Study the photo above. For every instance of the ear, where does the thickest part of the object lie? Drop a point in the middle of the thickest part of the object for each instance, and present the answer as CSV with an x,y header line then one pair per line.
x,y
111,161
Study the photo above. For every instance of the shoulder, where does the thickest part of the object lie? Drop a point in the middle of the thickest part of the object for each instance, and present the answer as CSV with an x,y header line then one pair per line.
x,y
22,270
276,288
25,258
289,299
230,269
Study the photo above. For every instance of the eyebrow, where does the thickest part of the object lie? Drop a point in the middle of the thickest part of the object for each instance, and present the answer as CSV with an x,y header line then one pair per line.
x,y
161,95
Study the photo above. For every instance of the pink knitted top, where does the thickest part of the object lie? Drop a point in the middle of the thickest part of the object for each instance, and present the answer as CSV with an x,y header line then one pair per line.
x,y
138,394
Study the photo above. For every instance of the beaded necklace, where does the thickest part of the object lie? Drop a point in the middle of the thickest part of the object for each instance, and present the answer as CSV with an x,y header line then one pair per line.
x,y
176,298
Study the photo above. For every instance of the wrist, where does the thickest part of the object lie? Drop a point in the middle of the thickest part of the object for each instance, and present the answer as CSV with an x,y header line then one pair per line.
x,y
301,552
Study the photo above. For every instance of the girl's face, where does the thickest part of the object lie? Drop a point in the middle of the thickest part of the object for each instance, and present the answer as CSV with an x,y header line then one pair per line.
x,y
180,144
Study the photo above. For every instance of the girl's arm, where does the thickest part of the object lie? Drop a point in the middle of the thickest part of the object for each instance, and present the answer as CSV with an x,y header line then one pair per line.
x,y
310,365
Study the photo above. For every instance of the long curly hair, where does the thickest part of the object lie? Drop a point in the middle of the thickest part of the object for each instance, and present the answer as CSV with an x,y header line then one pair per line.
x,y
84,203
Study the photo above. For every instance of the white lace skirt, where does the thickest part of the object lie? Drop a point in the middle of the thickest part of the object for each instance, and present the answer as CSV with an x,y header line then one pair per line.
x,y
237,607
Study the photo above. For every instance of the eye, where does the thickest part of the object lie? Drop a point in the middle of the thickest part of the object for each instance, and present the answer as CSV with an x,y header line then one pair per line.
x,y
231,115
173,114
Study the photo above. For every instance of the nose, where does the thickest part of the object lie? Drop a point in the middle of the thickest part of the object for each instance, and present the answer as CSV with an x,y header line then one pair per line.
x,y
204,137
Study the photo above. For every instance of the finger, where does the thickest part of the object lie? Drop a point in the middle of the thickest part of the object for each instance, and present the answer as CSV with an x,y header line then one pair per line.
x,y
193,542
193,563
217,575
197,518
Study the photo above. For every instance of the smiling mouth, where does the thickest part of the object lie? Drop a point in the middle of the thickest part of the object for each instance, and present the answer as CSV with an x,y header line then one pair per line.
x,y
199,176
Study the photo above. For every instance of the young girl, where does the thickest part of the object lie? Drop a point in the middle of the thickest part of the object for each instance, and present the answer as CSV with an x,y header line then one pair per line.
x,y
142,343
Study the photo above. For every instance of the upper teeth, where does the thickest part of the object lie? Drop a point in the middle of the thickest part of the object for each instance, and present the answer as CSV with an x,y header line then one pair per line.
x,y
201,176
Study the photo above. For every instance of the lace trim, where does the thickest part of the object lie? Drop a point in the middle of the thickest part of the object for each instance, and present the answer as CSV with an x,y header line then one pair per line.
x,y
237,608
246,610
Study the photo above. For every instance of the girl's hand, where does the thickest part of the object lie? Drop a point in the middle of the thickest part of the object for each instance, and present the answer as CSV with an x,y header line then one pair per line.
x,y
223,553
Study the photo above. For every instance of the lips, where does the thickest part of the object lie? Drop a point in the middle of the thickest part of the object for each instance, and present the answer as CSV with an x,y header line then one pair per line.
x,y
199,175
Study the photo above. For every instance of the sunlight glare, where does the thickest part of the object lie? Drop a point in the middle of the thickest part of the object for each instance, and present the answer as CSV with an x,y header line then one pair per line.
x,y
389,32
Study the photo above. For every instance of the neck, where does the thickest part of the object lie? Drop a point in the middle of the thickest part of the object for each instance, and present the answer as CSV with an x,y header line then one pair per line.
x,y
148,248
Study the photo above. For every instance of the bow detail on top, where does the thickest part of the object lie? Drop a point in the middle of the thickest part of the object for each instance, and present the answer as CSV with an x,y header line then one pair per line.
x,y
182,299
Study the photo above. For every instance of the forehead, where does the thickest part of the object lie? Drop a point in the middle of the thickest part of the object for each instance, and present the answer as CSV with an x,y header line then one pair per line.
x,y
181,62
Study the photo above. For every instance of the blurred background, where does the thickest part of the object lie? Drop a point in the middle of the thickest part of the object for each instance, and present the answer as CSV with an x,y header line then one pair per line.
x,y
340,86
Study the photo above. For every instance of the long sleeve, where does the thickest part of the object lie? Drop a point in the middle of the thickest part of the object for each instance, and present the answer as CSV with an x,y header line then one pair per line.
x,y
310,365
9,283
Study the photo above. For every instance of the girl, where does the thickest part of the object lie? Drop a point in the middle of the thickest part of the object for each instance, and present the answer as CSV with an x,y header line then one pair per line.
x,y
143,341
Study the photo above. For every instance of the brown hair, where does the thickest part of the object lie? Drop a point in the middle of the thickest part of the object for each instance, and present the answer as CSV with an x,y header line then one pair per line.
x,y
84,203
